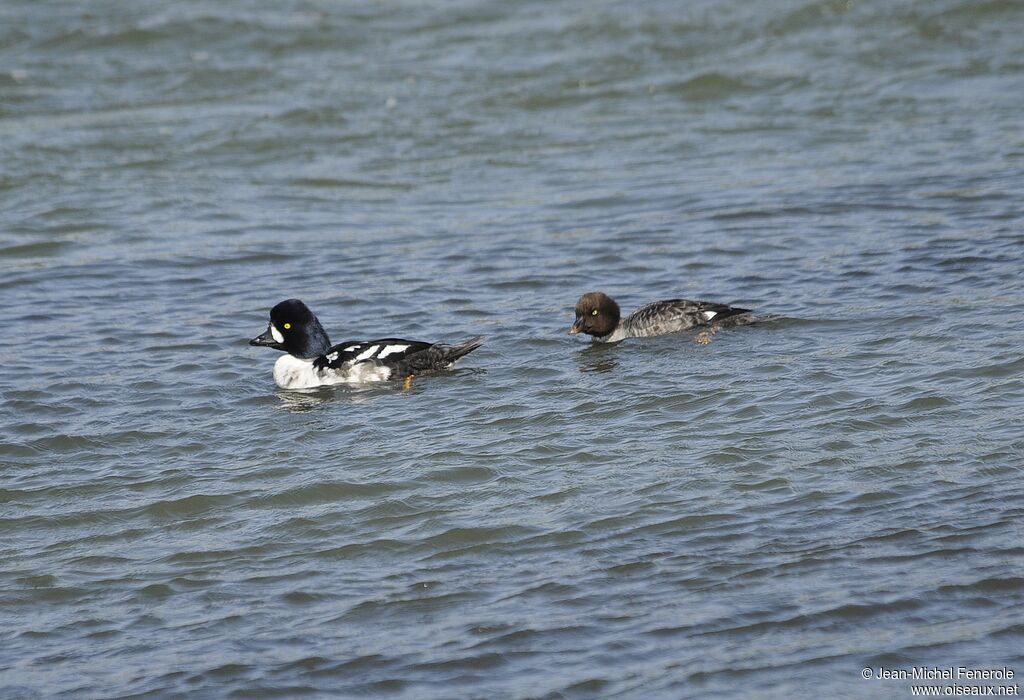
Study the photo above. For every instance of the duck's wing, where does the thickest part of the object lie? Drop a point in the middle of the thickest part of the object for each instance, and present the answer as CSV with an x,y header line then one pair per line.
x,y
385,351
672,315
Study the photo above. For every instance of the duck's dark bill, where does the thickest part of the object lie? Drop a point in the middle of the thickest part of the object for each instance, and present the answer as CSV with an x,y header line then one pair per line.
x,y
266,338
576,327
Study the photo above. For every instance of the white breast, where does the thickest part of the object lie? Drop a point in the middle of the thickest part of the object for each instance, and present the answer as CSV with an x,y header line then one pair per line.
x,y
292,373
615,336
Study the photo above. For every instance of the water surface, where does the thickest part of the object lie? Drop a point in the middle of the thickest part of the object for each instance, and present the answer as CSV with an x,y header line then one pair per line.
x,y
761,516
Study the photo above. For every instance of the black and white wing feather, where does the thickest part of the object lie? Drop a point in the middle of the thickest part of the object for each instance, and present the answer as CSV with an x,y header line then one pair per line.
x,y
400,357
386,351
674,315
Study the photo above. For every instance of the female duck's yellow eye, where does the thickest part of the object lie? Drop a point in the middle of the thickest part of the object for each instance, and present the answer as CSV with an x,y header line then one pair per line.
x,y
287,326
594,312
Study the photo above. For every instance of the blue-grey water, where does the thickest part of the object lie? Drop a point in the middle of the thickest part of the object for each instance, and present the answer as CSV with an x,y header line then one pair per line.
x,y
761,516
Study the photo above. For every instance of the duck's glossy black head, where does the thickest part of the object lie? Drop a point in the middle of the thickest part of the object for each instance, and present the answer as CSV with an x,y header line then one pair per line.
x,y
596,314
294,329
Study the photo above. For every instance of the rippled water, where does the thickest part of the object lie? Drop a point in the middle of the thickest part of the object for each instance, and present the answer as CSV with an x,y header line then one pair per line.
x,y
762,516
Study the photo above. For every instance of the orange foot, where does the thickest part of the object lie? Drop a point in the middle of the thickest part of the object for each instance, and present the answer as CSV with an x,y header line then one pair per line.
x,y
704,337
408,383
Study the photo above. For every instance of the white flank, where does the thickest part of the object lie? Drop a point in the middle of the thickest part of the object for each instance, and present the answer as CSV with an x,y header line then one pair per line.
x,y
276,333
365,372
368,352
290,372
388,349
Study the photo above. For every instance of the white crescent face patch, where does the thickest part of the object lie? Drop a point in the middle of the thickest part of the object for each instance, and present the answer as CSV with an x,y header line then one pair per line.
x,y
388,349
276,333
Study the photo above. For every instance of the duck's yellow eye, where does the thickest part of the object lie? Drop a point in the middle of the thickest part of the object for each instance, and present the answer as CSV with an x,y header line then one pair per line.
x,y
287,326
594,312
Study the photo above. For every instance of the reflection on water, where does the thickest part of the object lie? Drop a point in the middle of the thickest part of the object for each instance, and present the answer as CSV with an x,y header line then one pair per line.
x,y
305,400
598,357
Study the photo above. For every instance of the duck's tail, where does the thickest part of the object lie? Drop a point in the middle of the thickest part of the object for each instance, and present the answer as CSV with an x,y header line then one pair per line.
x,y
451,353
439,356
728,311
